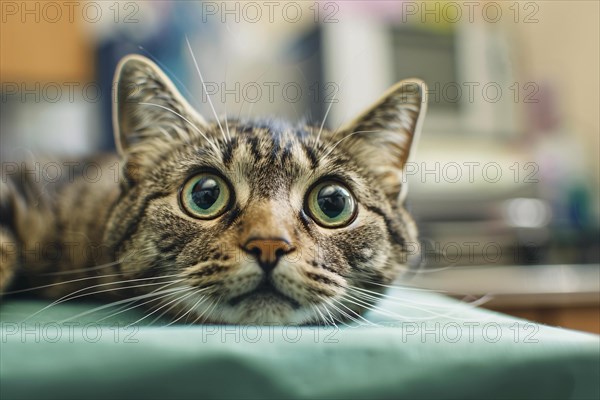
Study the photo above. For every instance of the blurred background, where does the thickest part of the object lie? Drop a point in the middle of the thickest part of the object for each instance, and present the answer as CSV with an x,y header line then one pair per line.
x,y
505,181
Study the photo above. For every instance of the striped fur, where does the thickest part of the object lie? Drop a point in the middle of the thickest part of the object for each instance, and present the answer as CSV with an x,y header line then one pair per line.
x,y
115,230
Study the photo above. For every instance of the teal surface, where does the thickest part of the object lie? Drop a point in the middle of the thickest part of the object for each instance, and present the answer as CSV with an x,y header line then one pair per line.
x,y
417,345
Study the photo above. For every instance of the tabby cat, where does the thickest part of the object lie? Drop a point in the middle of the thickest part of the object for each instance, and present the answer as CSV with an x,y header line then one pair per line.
x,y
234,221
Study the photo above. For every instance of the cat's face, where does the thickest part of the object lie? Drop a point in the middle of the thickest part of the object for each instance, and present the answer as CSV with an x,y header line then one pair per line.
x,y
260,222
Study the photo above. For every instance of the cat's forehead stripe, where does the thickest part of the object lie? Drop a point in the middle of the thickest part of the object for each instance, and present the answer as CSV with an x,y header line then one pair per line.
x,y
277,148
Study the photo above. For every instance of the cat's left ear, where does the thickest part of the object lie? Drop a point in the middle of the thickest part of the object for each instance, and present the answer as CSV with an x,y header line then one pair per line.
x,y
147,106
383,137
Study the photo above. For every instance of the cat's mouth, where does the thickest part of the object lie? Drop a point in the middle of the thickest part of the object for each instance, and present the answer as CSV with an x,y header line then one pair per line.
x,y
265,290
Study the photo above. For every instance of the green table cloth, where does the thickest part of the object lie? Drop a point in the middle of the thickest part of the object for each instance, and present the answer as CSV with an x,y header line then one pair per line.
x,y
417,344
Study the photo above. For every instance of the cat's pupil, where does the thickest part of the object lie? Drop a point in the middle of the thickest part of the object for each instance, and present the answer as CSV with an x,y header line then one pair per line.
x,y
205,193
332,200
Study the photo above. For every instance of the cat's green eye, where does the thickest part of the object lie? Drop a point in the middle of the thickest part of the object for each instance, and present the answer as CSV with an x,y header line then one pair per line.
x,y
205,196
331,204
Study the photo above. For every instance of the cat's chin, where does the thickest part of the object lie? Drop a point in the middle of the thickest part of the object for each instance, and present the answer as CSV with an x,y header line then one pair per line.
x,y
259,309
263,296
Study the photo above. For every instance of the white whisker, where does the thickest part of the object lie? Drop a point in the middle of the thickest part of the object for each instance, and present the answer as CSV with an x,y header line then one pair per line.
x,y
227,126
214,305
324,119
201,300
140,297
70,296
204,87
125,308
178,299
325,320
329,313
62,283
74,271
341,140
399,299
168,310
198,302
434,314
186,120
341,312
169,72
403,288
354,312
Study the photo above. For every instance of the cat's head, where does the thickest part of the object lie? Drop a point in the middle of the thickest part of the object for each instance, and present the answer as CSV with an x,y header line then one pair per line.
x,y
260,221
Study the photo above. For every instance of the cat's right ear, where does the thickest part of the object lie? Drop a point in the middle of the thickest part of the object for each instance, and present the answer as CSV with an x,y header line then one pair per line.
x,y
383,137
147,107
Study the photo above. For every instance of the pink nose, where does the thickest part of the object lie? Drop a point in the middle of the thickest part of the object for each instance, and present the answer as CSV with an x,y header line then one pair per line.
x,y
267,251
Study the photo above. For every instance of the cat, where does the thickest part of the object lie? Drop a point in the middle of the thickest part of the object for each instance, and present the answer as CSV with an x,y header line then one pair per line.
x,y
233,221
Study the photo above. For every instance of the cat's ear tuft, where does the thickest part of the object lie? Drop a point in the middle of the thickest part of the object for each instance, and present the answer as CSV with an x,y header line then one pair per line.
x,y
146,106
383,137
